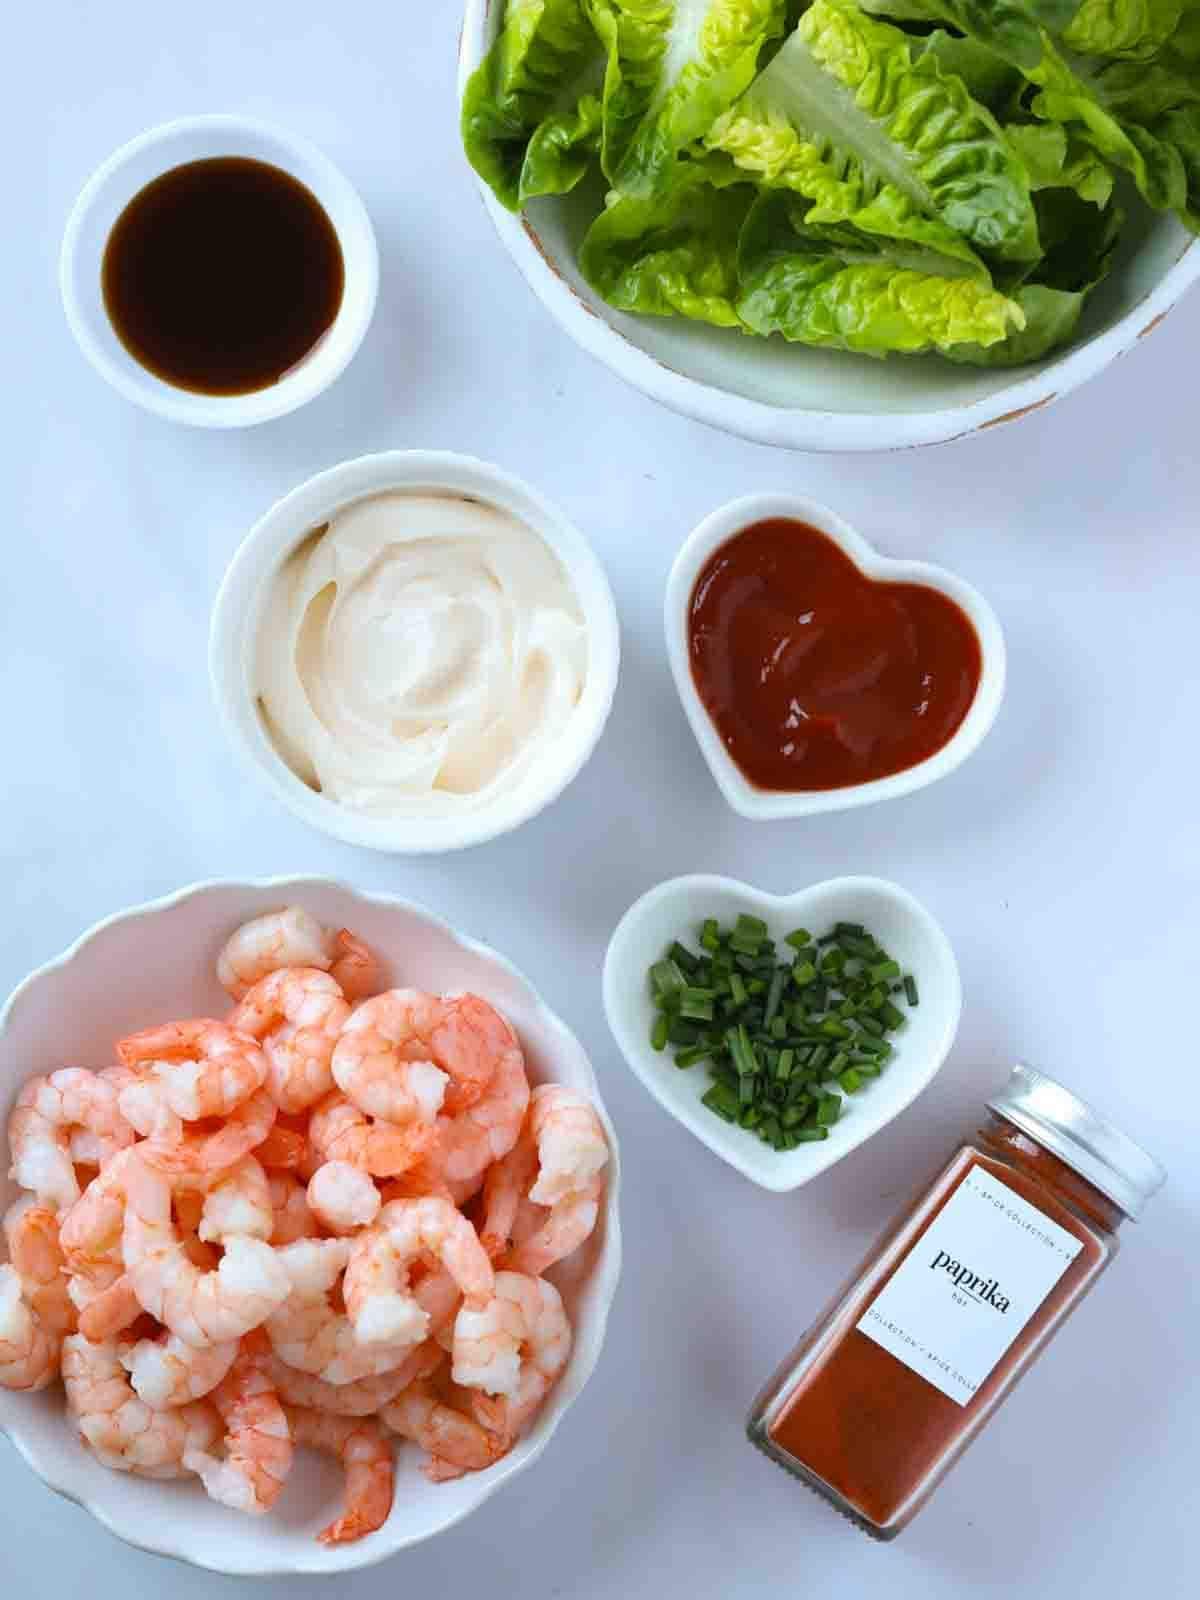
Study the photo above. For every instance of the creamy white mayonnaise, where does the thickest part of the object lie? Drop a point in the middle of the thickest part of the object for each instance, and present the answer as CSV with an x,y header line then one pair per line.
x,y
420,654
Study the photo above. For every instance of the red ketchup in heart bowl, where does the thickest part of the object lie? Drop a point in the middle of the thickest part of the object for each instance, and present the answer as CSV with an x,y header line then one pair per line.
x,y
816,673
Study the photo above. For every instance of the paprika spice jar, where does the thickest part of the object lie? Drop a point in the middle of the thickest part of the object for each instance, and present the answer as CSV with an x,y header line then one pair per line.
x,y
954,1303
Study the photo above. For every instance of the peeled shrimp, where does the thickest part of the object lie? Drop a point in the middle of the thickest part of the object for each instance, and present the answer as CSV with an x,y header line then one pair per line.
x,y
165,1372
363,1450
238,1205
379,1300
342,1198
124,1431
388,1060
32,1234
29,1352
543,1353
309,1332
286,1147
203,1308
293,938
90,1232
365,1396
543,1237
71,1115
487,1130
571,1145
258,1441
340,1131
455,1442
205,1068
195,1153
292,1218
296,1014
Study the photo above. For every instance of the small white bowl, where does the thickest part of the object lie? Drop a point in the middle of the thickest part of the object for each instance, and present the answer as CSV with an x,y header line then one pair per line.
x,y
157,961
239,606
124,175
767,804
807,399
676,909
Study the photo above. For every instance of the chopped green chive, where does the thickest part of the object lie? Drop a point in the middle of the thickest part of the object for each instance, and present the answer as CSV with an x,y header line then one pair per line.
x,y
776,1035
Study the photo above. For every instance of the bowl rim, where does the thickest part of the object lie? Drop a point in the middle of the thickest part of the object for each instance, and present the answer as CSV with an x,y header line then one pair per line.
x,y
754,1164
323,365
237,608
607,1269
763,805
796,428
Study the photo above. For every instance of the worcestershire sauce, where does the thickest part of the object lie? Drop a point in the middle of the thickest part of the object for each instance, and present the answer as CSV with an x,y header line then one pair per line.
x,y
220,276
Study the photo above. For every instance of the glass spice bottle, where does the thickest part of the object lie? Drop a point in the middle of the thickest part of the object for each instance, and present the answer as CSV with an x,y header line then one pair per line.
x,y
954,1303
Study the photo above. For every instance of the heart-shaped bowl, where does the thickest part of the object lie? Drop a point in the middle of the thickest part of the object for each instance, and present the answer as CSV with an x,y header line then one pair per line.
x,y
677,908
157,961
769,805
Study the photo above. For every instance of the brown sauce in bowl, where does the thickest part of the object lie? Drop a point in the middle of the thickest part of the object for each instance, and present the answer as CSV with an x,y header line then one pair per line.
x,y
222,275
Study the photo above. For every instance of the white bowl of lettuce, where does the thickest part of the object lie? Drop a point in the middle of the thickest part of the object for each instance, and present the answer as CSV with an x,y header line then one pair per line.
x,y
736,204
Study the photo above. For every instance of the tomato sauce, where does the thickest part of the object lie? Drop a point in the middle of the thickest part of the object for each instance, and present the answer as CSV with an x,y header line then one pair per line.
x,y
817,676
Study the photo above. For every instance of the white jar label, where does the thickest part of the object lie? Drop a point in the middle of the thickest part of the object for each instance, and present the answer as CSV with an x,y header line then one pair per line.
x,y
969,1285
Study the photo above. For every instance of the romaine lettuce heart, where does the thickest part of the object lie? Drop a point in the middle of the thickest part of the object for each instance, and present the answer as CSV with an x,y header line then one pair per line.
x,y
673,66
840,290
531,112
845,115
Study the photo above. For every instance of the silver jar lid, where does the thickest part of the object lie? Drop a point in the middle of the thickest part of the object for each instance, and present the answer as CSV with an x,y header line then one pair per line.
x,y
1079,1136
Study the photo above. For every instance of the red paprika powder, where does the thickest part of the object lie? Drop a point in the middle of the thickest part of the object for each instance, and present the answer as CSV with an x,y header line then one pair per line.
x,y
954,1303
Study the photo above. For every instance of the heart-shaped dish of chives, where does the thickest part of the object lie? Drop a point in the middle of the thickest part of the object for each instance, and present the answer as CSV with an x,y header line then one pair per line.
x,y
875,926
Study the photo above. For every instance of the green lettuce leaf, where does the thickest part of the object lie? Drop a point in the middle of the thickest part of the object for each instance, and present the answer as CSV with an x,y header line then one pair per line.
x,y
1122,27
1013,28
671,257
988,77
1080,240
531,112
1055,162
839,290
673,66
845,116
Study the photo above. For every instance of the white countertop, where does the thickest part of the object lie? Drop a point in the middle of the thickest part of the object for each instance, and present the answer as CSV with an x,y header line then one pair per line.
x,y
1063,860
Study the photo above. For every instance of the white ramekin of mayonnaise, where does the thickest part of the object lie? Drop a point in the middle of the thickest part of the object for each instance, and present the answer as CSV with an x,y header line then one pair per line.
x,y
415,651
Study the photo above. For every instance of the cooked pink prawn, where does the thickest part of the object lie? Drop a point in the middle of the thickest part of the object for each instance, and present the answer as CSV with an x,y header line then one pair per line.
x,y
339,1131
238,1204
363,1449
203,1308
293,938
205,1068
543,1237
35,1252
90,1232
365,1396
487,1130
455,1442
571,1144
388,1060
292,1218
544,1351
379,1298
39,1140
29,1352
124,1431
296,1014
342,1198
70,1116
313,1335
258,1440
197,1152
165,1372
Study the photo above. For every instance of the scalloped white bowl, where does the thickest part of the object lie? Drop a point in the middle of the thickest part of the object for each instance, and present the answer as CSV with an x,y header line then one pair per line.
x,y
156,961
807,399
768,805
677,908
